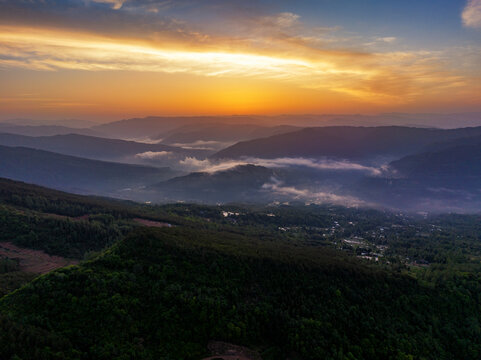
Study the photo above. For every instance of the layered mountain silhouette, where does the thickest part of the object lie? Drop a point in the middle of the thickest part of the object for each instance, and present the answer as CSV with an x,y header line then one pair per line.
x,y
75,174
44,130
445,180
220,132
458,167
89,146
345,142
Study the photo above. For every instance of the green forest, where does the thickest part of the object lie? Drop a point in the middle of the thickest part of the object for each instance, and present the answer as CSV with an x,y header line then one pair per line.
x,y
291,282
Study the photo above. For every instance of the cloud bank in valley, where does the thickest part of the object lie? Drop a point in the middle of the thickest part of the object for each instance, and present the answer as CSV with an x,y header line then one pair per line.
x,y
204,145
278,188
194,164
152,155
310,196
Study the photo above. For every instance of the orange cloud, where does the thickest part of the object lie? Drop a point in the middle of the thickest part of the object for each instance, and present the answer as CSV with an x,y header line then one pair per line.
x,y
262,63
396,77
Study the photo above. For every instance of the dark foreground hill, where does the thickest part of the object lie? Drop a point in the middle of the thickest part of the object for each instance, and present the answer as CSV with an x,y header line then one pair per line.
x,y
290,293
74,174
163,294
345,142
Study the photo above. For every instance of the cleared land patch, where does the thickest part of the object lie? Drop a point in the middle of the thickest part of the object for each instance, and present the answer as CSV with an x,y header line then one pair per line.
x,y
33,261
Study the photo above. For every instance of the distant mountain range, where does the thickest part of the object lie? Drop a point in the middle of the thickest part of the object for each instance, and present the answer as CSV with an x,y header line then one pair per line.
x,y
444,180
218,134
153,126
409,168
44,130
471,140
459,162
192,131
345,142
71,123
91,147
75,174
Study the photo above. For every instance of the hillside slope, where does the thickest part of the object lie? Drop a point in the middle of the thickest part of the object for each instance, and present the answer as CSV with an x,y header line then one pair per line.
x,y
456,162
445,180
163,294
240,183
73,173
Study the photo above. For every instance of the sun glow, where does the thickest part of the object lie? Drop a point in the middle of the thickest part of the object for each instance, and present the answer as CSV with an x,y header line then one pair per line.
x,y
174,77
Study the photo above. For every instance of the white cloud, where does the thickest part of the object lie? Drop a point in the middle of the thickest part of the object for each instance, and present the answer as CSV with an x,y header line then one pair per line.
x,y
472,14
116,4
387,39
320,164
193,164
277,187
203,145
153,154
283,20
317,197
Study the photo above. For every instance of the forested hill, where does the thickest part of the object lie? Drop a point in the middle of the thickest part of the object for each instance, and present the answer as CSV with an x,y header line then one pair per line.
x,y
241,183
164,293
35,197
291,282
64,224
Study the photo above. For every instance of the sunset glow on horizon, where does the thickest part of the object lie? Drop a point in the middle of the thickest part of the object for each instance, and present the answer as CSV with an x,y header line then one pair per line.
x,y
99,59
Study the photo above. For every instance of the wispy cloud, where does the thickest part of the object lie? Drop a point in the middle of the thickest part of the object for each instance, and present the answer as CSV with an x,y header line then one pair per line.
x,y
203,145
151,155
380,78
206,165
152,36
472,14
194,164
319,164
387,39
311,196
116,4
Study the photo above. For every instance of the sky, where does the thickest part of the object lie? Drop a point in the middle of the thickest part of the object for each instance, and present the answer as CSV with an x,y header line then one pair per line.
x,y
109,59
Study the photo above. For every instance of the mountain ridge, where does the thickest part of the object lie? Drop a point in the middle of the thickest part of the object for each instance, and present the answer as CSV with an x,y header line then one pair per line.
x,y
344,142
